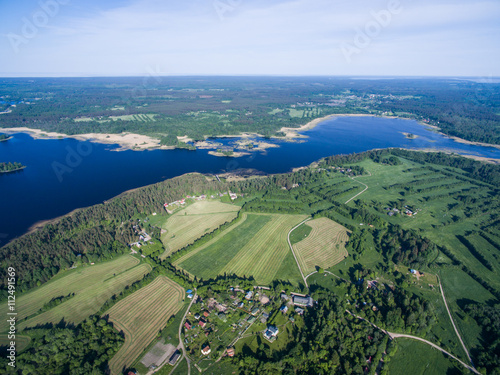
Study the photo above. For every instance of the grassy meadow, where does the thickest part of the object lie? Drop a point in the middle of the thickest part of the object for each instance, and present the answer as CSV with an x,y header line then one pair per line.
x,y
189,224
141,316
323,247
92,286
257,246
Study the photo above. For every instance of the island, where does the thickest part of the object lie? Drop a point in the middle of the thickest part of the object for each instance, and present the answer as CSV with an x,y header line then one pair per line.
x,y
11,167
4,137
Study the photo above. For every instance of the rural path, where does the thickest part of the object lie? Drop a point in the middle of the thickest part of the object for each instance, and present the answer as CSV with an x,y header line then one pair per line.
x,y
394,335
365,189
293,252
453,322
181,343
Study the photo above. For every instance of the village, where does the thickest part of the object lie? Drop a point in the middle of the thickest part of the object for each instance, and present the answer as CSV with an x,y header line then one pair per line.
x,y
213,326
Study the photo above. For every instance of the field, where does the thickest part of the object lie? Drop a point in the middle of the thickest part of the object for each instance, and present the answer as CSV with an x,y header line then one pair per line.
x,y
92,286
324,247
187,225
141,316
22,342
418,358
257,246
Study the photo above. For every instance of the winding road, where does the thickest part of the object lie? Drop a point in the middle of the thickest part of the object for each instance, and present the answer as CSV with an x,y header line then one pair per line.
x,y
291,248
181,343
361,192
393,335
453,322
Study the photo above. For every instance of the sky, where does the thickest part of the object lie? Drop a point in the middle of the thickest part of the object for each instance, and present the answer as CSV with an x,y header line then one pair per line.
x,y
249,37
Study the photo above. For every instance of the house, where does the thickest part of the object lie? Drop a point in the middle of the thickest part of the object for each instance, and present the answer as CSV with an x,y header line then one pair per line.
x,y
241,305
255,311
190,296
202,323
284,296
271,333
230,352
187,325
205,350
302,301
284,309
197,316
299,311
264,317
189,291
413,271
249,295
173,359
222,316
206,314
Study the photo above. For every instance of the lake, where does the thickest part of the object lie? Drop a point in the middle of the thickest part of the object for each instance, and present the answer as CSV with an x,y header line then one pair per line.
x,y
65,174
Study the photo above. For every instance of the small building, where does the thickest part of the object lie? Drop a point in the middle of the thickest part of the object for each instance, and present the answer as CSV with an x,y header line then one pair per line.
x,y
206,314
251,319
187,325
255,311
299,310
222,316
413,271
249,295
284,296
284,309
197,316
302,301
271,333
230,352
174,358
190,296
202,323
205,350
189,291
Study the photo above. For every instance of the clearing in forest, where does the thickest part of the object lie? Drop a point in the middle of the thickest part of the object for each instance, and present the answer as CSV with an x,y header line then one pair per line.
x,y
141,316
92,286
186,226
323,247
256,246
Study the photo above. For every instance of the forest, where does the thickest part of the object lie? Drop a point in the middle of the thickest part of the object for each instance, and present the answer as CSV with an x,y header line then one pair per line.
x,y
167,107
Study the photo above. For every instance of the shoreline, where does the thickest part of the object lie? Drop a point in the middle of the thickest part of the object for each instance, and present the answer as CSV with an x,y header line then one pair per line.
x,y
139,142
126,141
15,170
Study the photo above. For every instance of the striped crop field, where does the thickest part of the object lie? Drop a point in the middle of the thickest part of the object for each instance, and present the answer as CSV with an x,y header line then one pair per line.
x,y
22,342
324,247
257,246
187,225
76,281
141,315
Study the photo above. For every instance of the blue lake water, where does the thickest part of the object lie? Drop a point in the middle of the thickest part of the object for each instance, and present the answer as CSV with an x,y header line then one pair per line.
x,y
65,174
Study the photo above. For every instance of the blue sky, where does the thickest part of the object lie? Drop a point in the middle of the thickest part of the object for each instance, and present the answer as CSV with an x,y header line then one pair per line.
x,y
256,37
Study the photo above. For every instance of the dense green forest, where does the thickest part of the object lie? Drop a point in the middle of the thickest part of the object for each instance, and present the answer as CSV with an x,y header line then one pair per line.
x,y
453,231
167,107
10,167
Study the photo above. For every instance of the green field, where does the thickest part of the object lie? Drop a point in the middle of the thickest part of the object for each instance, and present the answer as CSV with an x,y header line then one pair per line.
x,y
141,316
257,246
189,224
417,358
324,247
92,286
22,342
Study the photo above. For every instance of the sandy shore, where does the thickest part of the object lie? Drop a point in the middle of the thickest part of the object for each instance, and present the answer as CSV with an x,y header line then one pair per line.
x,y
293,132
127,141
235,154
